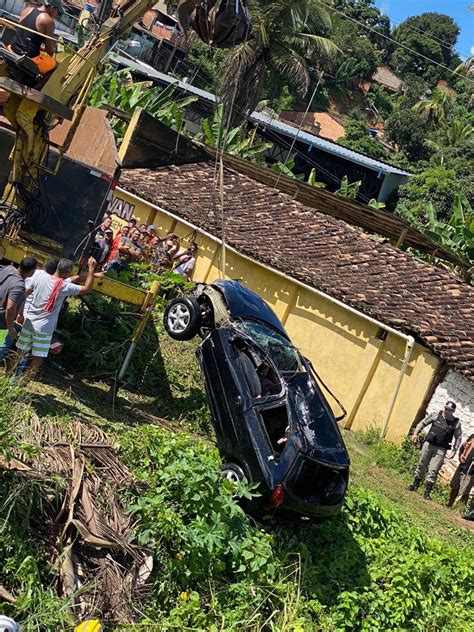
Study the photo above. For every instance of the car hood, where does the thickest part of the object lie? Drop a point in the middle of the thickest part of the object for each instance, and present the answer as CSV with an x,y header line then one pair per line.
x,y
243,303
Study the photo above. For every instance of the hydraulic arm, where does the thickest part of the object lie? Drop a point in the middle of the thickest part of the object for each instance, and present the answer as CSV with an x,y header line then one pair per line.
x,y
33,111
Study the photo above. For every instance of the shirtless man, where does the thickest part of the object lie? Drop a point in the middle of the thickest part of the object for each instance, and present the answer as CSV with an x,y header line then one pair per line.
x,y
25,42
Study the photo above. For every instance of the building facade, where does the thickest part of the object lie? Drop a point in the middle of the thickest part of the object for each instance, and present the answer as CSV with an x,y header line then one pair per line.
x,y
359,354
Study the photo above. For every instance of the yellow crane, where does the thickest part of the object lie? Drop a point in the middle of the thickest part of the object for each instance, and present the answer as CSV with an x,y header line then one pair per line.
x,y
36,104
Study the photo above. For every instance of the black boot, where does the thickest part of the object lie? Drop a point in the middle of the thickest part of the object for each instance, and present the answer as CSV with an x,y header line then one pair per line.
x,y
428,488
413,486
452,497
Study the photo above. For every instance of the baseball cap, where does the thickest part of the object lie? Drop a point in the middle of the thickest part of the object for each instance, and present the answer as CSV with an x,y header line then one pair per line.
x,y
450,406
56,4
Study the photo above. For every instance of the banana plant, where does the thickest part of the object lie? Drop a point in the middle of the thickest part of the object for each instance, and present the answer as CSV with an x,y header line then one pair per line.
x,y
235,141
116,89
456,235
348,189
313,182
374,204
286,169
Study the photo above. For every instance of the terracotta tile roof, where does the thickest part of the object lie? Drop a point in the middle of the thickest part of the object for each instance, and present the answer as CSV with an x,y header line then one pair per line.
x,y
323,252
320,123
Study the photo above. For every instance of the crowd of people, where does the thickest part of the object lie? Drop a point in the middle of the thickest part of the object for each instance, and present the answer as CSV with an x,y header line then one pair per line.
x,y
133,243
32,298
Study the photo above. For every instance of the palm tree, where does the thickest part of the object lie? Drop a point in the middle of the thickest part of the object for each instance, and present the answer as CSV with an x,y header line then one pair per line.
x,y
436,107
287,36
455,134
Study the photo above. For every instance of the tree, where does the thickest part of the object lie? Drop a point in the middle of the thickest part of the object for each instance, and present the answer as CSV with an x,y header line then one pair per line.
x,y
406,129
437,185
357,138
435,107
360,62
288,36
364,12
431,36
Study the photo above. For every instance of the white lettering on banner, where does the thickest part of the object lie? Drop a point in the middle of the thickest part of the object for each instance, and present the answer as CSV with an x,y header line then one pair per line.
x,y
122,209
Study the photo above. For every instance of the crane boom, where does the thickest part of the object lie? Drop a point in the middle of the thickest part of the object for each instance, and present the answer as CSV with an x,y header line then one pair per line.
x,y
33,112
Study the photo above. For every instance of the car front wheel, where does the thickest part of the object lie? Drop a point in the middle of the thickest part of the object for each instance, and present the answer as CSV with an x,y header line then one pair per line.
x,y
182,318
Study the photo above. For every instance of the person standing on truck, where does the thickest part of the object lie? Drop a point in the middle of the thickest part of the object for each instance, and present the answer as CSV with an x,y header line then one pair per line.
x,y
49,293
444,427
41,21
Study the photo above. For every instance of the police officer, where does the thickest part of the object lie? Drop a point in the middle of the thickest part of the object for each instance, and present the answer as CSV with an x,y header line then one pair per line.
x,y
444,427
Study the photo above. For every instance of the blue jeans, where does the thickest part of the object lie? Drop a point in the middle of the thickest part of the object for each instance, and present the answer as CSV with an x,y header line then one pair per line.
x,y
7,345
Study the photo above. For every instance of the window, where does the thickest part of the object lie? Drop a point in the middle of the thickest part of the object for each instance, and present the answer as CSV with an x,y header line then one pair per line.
x,y
275,421
281,351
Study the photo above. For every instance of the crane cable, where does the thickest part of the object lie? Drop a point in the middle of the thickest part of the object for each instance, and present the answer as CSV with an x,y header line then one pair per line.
x,y
219,167
310,103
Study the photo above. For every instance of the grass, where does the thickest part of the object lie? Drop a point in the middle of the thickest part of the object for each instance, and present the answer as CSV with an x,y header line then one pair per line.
x,y
323,577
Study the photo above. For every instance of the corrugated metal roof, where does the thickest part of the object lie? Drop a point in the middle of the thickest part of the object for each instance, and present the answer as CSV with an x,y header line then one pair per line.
x,y
326,145
266,121
124,60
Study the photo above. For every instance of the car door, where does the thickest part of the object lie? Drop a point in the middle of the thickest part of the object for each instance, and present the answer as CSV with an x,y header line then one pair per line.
x,y
227,391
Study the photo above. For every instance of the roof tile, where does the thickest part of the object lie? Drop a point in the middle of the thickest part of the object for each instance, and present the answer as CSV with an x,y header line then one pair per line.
x,y
326,253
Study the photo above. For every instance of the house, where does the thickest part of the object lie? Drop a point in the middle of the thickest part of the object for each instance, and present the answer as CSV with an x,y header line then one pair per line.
x,y
390,335
331,160
319,123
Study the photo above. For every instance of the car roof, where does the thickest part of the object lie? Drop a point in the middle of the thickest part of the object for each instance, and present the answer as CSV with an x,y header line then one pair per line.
x,y
244,303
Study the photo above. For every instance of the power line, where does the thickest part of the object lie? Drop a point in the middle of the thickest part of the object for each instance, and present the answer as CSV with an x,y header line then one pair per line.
x,y
433,38
390,39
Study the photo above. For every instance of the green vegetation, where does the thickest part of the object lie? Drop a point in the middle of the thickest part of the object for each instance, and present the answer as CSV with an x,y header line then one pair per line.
x,y
288,38
389,561
117,91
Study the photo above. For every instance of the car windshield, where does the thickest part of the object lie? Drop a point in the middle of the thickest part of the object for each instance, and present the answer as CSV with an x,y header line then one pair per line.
x,y
279,349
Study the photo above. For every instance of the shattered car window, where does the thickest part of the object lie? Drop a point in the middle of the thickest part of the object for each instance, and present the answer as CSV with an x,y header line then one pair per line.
x,y
281,351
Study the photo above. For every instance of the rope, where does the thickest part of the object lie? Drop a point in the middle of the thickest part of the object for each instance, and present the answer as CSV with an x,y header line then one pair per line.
x,y
310,103
219,168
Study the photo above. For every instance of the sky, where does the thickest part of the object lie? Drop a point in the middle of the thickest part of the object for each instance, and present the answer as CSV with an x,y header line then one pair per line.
x,y
399,10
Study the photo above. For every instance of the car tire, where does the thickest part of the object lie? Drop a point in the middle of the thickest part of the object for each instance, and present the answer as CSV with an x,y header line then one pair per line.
x,y
233,472
182,318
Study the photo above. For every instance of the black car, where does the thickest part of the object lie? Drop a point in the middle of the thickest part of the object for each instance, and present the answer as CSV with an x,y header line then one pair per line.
x,y
273,424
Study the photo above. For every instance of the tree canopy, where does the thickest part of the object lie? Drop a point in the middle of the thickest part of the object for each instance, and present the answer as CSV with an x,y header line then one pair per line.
x,y
431,38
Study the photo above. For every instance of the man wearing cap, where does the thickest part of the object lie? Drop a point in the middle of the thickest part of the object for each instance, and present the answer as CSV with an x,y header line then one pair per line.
x,y
35,42
444,427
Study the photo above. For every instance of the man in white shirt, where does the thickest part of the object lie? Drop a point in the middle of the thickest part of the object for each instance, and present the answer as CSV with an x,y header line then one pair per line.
x,y
48,294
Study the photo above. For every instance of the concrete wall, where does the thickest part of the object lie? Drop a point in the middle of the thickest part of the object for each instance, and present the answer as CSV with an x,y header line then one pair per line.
x,y
359,368
457,388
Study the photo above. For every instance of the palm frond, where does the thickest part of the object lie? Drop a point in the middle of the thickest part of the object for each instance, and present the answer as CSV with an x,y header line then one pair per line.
x,y
294,66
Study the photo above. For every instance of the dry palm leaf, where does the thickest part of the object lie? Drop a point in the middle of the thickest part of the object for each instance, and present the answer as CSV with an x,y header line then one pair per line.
x,y
97,564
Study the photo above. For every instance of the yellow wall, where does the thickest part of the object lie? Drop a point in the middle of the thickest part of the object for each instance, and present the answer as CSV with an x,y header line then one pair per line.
x,y
359,368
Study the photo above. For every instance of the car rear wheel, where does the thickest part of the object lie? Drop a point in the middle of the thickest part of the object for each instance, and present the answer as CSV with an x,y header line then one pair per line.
x,y
233,472
182,318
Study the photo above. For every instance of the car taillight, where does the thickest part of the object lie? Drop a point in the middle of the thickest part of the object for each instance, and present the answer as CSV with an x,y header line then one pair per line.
x,y
277,497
